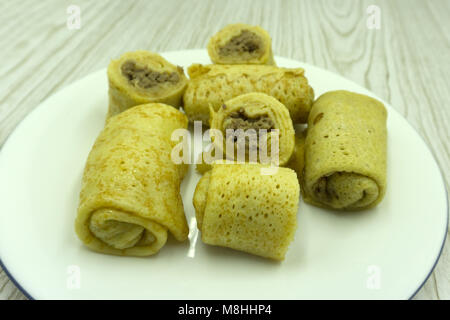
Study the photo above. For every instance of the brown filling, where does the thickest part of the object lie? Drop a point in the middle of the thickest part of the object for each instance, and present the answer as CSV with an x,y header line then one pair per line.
x,y
345,190
146,78
239,120
322,190
246,41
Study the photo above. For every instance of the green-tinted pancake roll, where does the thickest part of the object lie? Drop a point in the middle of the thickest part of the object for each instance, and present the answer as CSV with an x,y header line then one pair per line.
x,y
130,194
212,85
345,152
141,77
256,113
240,208
241,44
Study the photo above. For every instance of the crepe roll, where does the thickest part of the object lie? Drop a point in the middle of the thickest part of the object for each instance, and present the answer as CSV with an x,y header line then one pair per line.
x,y
241,44
130,194
250,118
141,77
212,85
345,152
238,207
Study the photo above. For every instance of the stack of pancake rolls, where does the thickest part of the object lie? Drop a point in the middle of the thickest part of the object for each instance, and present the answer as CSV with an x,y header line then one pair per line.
x,y
130,195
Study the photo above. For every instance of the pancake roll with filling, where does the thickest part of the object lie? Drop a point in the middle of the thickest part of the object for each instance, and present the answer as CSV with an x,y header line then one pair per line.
x,y
250,118
238,207
212,85
241,44
143,77
345,152
130,194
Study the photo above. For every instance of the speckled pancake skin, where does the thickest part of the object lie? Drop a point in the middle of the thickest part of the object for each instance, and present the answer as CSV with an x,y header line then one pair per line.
x,y
124,95
130,193
258,105
212,85
240,208
345,152
221,38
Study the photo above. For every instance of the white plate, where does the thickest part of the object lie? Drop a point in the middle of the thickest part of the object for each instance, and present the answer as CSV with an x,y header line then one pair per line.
x,y
386,252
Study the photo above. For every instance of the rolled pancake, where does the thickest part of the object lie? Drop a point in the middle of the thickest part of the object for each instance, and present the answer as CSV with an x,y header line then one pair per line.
x,y
251,113
212,85
141,77
241,44
239,208
130,193
345,152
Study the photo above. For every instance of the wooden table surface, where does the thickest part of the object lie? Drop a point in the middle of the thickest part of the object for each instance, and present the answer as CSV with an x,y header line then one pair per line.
x,y
405,61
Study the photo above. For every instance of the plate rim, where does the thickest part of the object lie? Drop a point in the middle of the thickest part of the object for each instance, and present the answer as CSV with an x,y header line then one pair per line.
x,y
28,295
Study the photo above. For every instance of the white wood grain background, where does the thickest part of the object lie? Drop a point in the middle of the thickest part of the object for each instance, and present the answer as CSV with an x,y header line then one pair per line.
x,y
405,62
